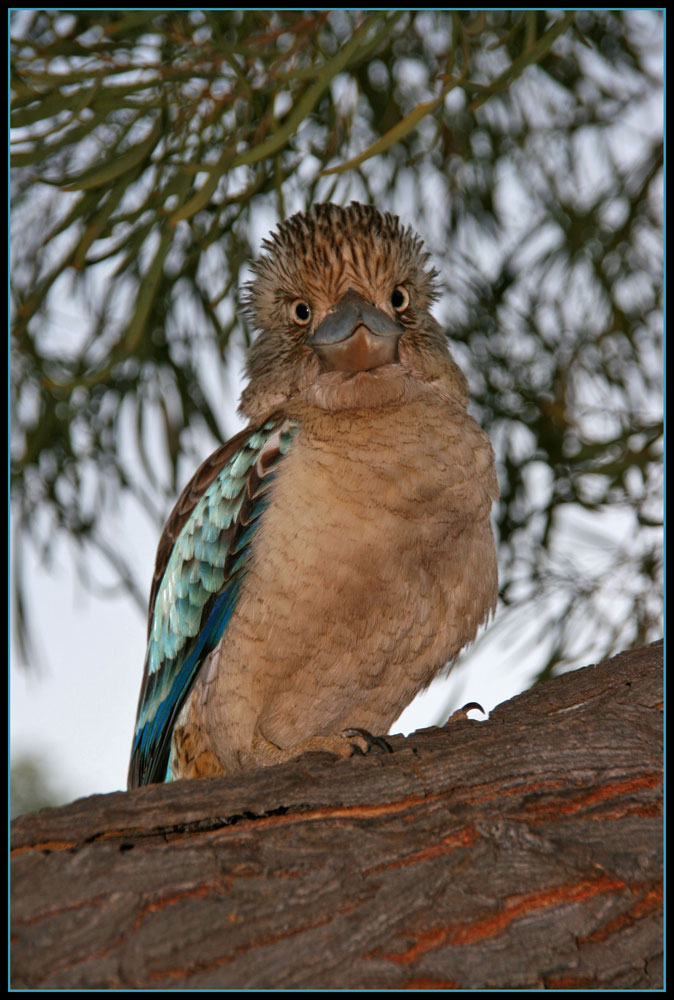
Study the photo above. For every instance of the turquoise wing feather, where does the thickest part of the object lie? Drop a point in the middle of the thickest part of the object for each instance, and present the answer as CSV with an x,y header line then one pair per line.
x,y
201,564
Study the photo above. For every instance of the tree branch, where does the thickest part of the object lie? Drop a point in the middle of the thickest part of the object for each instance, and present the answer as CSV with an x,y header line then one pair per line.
x,y
521,852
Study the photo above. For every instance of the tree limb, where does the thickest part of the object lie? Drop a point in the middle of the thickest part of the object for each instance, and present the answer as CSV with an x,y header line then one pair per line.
x,y
521,852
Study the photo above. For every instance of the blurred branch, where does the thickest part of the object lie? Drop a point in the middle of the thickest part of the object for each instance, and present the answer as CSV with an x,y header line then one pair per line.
x,y
533,54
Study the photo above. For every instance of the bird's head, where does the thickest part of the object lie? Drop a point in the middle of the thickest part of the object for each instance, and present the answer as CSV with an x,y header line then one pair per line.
x,y
341,301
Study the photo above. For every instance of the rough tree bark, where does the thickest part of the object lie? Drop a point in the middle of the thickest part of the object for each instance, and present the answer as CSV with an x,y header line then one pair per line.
x,y
524,851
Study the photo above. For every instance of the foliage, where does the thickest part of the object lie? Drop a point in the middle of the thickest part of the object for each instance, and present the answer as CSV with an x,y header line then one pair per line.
x,y
153,149
33,786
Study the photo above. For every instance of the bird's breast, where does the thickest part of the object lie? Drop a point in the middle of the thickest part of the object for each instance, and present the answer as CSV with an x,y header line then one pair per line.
x,y
372,567
366,510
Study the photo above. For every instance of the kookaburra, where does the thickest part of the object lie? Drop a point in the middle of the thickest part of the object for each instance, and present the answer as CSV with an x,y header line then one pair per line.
x,y
321,567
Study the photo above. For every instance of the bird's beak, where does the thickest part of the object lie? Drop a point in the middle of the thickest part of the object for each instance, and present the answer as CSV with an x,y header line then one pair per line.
x,y
356,336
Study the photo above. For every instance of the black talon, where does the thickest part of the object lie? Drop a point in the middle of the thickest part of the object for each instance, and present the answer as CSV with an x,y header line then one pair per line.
x,y
372,741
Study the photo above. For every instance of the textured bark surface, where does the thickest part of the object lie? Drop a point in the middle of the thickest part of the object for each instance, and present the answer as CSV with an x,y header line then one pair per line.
x,y
525,851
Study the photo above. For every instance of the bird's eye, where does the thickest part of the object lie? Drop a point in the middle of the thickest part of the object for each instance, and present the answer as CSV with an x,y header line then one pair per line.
x,y
400,299
300,312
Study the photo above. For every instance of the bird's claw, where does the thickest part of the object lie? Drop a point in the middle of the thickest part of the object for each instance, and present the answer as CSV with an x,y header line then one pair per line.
x,y
362,741
462,713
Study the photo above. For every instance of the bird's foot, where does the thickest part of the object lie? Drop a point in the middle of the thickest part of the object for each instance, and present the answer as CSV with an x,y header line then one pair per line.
x,y
350,741
462,713
362,741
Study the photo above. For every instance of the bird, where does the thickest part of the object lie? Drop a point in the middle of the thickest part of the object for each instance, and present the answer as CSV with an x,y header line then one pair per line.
x,y
326,563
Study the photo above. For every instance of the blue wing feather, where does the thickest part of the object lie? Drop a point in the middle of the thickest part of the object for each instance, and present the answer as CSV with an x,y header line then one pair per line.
x,y
199,589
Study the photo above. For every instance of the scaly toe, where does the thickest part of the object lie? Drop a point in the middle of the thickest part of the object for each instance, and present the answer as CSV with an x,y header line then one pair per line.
x,y
362,741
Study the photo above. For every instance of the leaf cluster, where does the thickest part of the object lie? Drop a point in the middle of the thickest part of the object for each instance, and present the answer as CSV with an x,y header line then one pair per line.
x,y
151,151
